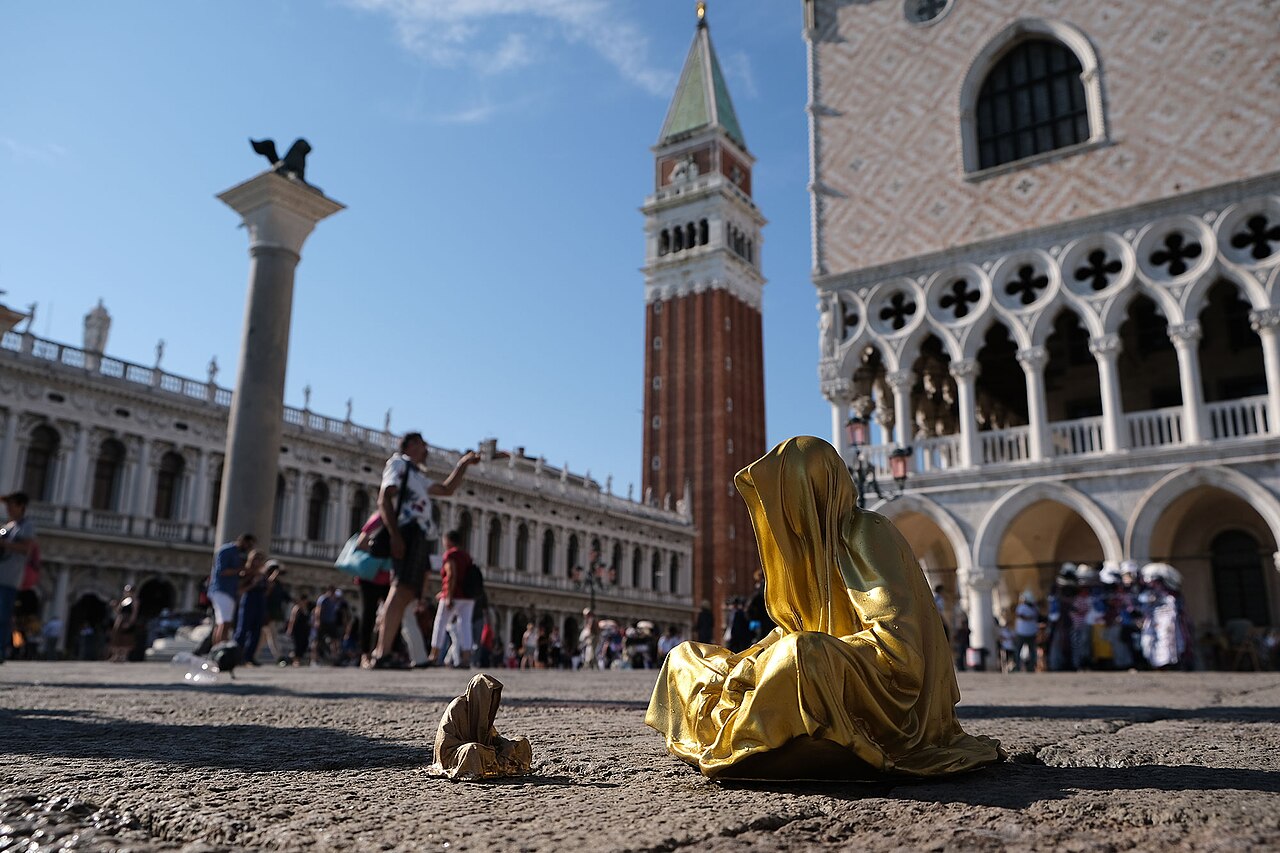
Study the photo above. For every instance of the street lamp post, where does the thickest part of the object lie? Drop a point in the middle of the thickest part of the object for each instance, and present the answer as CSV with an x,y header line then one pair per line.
x,y
864,473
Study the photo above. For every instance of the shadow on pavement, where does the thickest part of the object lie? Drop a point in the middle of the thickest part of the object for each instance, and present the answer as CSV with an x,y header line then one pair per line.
x,y
1129,713
248,688
1017,786
75,734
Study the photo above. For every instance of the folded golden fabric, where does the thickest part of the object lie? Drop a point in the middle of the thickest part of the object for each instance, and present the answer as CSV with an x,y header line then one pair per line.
x,y
468,747
855,681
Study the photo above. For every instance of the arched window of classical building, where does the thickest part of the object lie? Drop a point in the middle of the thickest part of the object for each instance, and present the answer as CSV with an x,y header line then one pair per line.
x,y
615,563
1034,89
571,555
1238,582
635,567
464,530
37,471
673,574
664,243
493,549
359,512
690,235
108,471
655,571
548,551
168,486
277,507
317,511
704,232
522,547
677,239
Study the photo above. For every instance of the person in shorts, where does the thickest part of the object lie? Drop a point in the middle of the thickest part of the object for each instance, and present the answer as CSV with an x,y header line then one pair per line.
x,y
224,584
410,560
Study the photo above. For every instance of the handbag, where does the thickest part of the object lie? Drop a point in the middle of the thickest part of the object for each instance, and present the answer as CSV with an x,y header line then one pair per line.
x,y
380,544
361,564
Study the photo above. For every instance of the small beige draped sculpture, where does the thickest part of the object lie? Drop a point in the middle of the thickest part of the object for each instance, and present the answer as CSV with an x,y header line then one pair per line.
x,y
468,747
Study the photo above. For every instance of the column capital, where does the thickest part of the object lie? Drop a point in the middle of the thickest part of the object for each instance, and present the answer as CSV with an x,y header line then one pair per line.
x,y
837,390
1105,345
1265,318
1034,357
278,213
899,380
981,580
1185,334
964,369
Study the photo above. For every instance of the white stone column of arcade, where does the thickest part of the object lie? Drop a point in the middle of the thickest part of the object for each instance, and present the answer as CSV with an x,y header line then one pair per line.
x,y
279,213
1186,340
1033,361
1267,324
978,584
1106,351
965,373
900,383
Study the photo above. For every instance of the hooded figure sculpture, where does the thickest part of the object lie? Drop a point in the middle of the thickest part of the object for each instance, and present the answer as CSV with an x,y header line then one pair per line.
x,y
468,747
856,680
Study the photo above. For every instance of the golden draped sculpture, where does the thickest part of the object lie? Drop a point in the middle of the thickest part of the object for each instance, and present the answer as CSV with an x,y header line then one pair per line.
x,y
855,681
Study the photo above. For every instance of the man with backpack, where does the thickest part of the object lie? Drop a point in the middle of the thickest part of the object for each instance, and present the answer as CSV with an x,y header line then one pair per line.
x,y
460,585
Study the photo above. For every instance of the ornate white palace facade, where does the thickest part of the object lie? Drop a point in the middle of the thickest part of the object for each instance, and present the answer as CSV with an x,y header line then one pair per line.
x,y
123,465
1047,249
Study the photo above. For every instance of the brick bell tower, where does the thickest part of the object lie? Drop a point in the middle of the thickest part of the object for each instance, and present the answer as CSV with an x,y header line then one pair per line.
x,y
704,353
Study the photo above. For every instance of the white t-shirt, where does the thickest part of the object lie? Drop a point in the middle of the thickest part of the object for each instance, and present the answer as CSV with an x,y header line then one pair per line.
x,y
417,499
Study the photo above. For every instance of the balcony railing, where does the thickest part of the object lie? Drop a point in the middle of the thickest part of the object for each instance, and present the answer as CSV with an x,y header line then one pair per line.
x,y
1244,418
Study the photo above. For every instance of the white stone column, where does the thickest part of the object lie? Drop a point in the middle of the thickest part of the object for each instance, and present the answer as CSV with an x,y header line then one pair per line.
x,y
965,373
199,503
297,526
1106,351
978,584
339,532
1033,361
77,492
1267,324
279,214
900,383
1186,340
9,451
144,480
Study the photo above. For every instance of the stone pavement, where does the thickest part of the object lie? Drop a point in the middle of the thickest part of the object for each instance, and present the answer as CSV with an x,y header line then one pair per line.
x,y
127,756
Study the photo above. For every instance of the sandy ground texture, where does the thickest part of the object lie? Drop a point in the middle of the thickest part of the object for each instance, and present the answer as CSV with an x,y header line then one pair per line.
x,y
128,756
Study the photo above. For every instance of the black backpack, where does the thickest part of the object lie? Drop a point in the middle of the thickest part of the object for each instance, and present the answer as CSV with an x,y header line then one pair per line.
x,y
473,583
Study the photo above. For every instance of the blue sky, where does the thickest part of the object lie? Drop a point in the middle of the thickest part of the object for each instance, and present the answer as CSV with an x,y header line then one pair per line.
x,y
484,280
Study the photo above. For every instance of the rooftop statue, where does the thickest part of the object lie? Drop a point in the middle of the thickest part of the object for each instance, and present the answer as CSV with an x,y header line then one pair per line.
x,y
294,163
856,681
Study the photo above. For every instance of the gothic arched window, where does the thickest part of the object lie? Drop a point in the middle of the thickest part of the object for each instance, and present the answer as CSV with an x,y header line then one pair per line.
x,y
317,510
359,511
37,472
548,551
522,548
168,481
1032,100
107,473
493,553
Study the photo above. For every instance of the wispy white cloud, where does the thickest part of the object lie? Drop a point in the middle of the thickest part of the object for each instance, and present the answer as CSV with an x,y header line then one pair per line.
x,y
496,35
45,152
737,67
477,114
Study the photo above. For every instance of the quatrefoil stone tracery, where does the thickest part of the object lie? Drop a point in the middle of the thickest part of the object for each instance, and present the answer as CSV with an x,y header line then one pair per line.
x,y
899,309
959,295
1257,235
1026,284
1098,270
1176,252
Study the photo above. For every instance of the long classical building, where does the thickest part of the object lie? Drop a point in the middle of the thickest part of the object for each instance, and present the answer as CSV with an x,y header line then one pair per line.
x,y
123,464
1046,242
